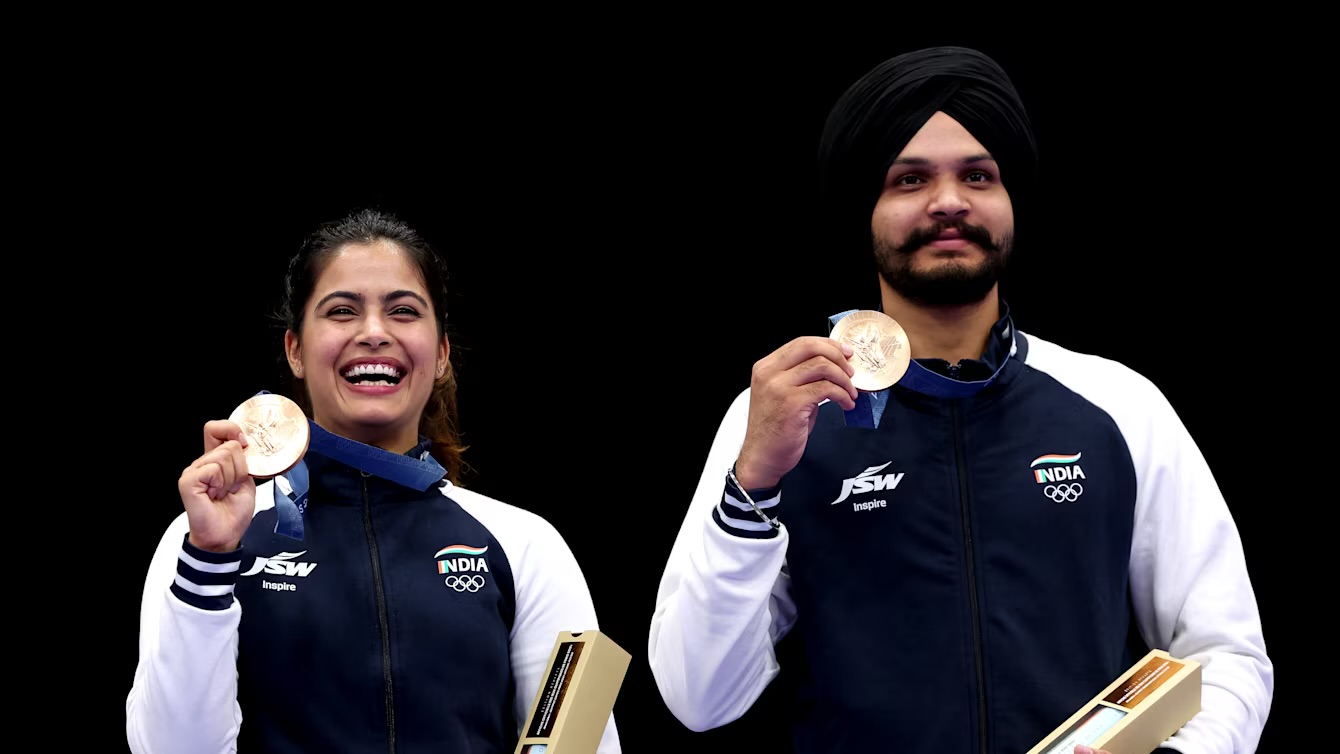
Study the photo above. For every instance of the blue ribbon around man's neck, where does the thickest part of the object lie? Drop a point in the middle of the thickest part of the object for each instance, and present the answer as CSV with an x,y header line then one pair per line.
x,y
918,379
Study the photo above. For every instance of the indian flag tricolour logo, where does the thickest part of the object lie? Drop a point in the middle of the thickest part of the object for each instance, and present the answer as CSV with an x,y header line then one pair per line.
x,y
1056,467
466,558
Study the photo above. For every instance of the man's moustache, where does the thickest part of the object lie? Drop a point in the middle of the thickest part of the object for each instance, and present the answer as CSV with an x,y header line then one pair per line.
x,y
971,233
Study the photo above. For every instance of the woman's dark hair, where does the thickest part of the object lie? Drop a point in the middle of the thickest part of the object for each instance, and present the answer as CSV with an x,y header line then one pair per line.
x,y
439,420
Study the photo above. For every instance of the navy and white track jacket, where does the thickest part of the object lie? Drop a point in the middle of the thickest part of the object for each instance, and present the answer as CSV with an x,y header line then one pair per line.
x,y
403,621
967,574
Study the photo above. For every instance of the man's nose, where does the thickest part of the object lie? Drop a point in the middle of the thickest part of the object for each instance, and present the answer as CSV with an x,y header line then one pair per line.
x,y
949,201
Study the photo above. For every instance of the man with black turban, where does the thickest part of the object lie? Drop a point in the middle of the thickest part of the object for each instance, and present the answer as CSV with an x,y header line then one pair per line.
x,y
962,559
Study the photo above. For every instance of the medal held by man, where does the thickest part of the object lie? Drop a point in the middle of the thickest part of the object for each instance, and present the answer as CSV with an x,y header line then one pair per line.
x,y
880,351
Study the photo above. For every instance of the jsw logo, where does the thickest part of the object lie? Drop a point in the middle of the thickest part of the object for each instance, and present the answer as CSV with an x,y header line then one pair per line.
x,y
868,481
282,565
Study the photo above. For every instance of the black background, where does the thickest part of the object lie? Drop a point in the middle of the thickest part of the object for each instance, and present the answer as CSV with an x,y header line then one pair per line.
x,y
628,229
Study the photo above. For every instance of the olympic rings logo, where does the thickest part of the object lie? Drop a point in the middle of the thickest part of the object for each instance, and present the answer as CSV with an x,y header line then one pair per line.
x,y
471,583
1063,493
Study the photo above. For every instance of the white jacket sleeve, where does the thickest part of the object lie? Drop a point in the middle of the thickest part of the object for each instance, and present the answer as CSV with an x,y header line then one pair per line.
x,y
184,695
1190,585
723,601
551,596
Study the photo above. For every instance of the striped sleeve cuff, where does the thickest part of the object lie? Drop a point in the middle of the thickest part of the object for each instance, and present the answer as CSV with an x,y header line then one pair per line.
x,y
206,579
738,517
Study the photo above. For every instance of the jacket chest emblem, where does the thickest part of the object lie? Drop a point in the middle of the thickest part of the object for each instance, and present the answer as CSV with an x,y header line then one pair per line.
x,y
1059,475
464,566
870,480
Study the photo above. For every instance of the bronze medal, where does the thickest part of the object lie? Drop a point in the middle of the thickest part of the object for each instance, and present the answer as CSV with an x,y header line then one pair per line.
x,y
880,351
277,432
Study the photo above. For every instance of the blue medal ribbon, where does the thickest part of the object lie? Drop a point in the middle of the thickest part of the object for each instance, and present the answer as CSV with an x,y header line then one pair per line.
x,y
863,413
292,487
917,378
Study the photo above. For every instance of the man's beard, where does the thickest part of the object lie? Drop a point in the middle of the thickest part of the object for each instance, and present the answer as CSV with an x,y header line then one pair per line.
x,y
948,284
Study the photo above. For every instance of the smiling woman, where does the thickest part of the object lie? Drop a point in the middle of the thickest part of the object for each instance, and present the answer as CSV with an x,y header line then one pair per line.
x,y
366,336
377,502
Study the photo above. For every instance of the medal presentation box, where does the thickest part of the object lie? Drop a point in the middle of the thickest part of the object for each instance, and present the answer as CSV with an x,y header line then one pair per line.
x,y
576,695
1137,713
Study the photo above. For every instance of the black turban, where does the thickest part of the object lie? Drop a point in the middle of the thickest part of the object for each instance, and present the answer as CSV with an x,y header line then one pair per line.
x,y
878,115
